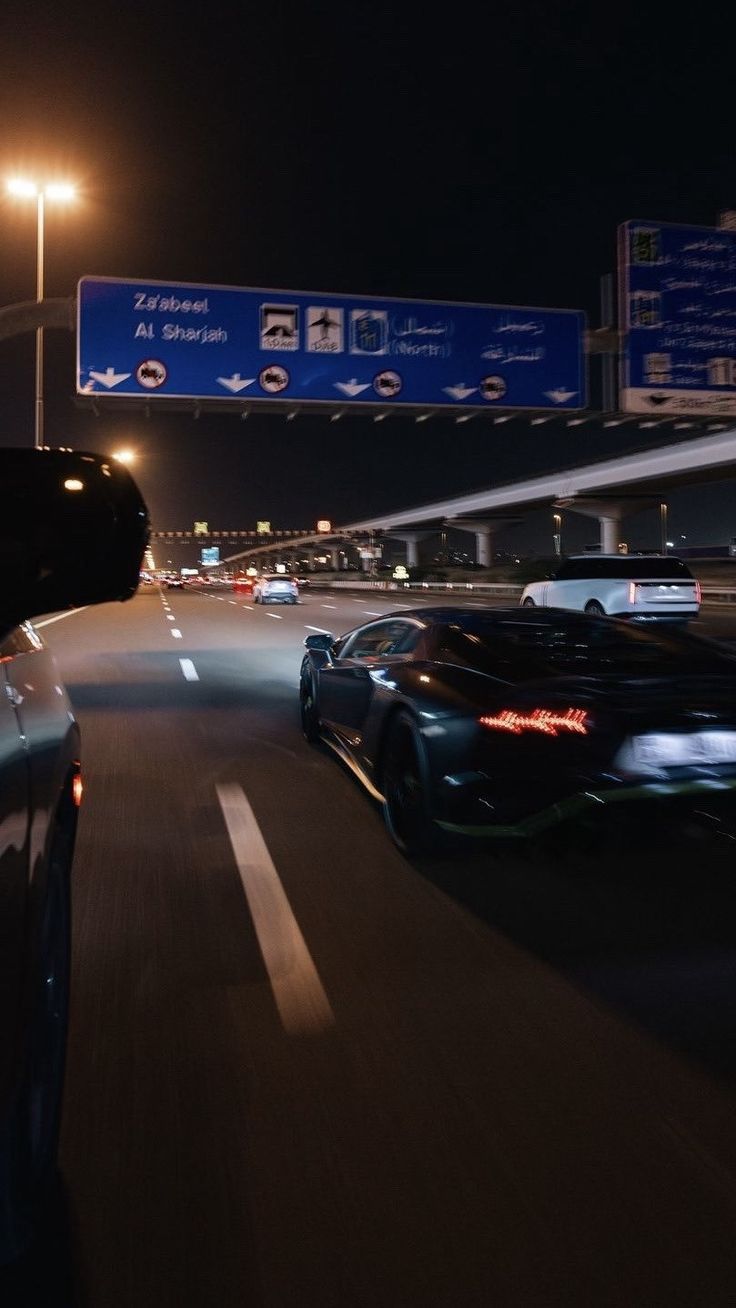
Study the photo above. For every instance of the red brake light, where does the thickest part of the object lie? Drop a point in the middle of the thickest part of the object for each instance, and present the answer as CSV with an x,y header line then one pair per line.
x,y
77,789
551,722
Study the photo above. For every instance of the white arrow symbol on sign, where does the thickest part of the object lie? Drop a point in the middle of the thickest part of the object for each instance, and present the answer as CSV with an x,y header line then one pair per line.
x,y
352,387
559,396
459,392
109,377
236,382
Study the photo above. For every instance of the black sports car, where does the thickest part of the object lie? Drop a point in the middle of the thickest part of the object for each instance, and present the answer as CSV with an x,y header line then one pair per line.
x,y
504,722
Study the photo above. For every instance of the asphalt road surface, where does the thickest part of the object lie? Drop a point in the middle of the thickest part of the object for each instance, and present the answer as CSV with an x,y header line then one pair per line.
x,y
306,1072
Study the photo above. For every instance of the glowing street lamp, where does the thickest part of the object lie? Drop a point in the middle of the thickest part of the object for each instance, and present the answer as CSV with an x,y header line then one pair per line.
x,y
124,456
58,192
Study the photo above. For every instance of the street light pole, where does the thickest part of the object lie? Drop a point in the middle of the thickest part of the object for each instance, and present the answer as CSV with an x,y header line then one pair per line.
x,y
26,189
38,429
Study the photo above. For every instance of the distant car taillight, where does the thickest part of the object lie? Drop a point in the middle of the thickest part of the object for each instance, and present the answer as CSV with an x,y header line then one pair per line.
x,y
698,592
551,722
77,789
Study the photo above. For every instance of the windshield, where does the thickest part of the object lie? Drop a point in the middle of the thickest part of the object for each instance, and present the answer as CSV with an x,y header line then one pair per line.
x,y
626,568
520,649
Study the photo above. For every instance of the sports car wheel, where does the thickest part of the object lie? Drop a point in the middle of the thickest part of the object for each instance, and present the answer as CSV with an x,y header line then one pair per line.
x,y
404,785
29,1140
528,603
308,709
596,609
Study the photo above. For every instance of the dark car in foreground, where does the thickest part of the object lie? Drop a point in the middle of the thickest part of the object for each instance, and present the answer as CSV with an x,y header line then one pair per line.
x,y
505,722
72,532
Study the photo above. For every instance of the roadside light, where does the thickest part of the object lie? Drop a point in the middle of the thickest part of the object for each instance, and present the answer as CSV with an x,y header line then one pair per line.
x,y
60,191
124,456
73,484
20,187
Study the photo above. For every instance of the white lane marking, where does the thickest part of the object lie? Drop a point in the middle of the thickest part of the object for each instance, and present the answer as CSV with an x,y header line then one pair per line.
x,y
232,601
170,617
249,607
373,613
176,633
189,670
328,606
300,996
47,621
323,629
277,616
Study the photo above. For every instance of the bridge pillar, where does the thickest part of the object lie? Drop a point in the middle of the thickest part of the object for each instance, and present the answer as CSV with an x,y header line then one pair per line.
x,y
610,513
335,552
411,540
484,529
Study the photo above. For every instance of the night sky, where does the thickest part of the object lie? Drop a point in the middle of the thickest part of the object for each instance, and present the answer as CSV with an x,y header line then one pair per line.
x,y
485,154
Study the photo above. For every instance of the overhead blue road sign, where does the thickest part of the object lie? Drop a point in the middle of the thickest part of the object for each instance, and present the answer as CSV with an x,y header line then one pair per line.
x,y
163,341
677,293
210,554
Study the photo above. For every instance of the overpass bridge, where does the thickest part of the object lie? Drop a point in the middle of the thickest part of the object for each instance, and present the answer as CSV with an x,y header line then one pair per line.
x,y
609,490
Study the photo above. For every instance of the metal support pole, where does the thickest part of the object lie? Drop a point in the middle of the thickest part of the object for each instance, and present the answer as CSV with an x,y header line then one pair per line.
x,y
608,360
38,430
663,526
557,534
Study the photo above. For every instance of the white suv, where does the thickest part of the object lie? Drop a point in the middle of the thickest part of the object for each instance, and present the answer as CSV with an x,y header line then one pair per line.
x,y
644,588
274,588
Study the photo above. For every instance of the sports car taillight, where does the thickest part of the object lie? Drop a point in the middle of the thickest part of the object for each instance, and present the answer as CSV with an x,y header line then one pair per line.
x,y
698,592
551,722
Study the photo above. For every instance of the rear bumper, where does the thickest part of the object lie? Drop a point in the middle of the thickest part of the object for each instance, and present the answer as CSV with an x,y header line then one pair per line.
x,y
576,805
672,616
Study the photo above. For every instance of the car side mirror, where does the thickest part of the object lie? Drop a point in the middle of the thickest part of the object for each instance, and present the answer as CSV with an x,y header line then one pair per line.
x,y
73,531
320,640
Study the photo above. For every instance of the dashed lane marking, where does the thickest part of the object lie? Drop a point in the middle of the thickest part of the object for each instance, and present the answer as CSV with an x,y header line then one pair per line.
x,y
277,616
323,629
189,670
176,633
297,989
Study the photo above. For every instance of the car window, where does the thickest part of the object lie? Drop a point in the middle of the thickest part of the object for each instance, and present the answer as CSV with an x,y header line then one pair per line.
x,y
382,638
628,567
520,650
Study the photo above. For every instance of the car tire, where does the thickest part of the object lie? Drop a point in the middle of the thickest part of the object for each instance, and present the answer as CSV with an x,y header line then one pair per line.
x,y
596,609
529,603
405,784
308,708
29,1139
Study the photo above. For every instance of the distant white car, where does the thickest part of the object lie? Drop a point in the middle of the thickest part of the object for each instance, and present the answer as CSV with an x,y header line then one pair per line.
x,y
274,588
642,588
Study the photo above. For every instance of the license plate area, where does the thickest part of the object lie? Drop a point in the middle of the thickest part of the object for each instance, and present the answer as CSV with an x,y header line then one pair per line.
x,y
670,749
